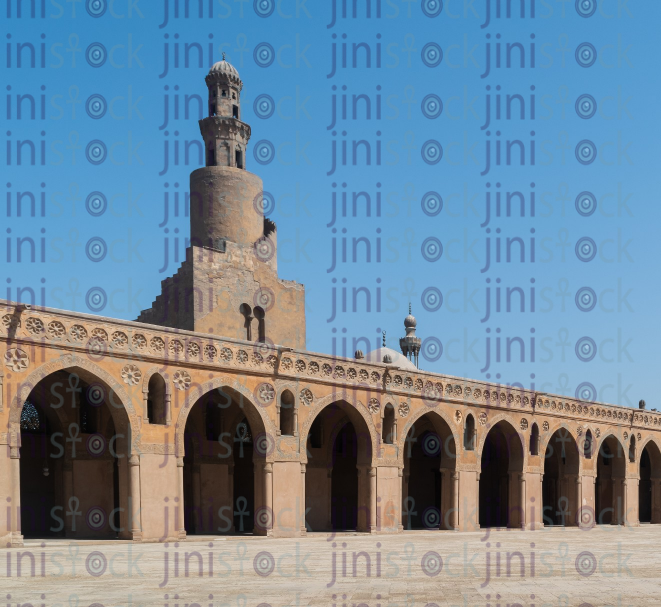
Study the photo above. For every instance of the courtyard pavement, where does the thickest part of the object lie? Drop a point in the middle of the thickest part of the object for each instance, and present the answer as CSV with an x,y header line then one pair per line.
x,y
555,567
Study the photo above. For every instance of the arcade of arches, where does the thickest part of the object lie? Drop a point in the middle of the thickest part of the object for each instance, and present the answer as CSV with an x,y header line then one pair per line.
x,y
93,458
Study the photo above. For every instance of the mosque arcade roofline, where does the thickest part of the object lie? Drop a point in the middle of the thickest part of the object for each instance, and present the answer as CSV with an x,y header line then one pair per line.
x,y
131,340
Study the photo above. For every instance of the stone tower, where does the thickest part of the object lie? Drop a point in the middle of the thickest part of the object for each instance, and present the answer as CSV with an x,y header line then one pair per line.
x,y
229,283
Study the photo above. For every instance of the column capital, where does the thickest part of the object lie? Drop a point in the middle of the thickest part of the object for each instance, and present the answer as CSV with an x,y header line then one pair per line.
x,y
303,467
180,462
268,468
134,460
14,453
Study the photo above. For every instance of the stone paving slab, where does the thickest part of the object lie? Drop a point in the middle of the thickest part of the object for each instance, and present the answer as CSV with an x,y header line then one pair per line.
x,y
555,567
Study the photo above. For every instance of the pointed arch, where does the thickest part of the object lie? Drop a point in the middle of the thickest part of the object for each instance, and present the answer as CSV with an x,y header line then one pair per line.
x,y
71,362
286,413
534,439
512,432
610,468
547,436
470,433
359,409
648,471
420,412
98,472
389,427
230,387
502,482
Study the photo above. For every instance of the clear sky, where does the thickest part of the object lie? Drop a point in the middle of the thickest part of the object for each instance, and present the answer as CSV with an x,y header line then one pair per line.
x,y
592,261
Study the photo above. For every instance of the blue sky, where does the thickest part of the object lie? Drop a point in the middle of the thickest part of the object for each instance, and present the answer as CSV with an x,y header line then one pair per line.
x,y
624,82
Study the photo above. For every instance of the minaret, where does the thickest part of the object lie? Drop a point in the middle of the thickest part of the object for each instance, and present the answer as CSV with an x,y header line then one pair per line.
x,y
410,344
228,285
226,200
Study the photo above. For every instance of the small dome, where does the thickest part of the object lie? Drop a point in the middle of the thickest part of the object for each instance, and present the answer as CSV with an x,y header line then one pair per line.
x,y
410,322
398,359
224,67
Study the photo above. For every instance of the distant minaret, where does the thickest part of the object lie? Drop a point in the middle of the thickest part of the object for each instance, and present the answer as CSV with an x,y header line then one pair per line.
x,y
410,344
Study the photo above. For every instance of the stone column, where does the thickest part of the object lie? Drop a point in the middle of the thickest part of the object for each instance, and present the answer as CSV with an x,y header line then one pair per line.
x,y
269,495
477,500
542,503
578,488
624,502
522,500
442,509
455,500
303,499
329,473
15,457
197,506
372,474
134,484
614,501
399,511
655,500
145,407
295,431
181,525
168,409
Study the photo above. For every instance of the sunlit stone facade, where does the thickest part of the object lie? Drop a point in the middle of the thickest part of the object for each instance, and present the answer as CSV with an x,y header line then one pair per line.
x,y
208,415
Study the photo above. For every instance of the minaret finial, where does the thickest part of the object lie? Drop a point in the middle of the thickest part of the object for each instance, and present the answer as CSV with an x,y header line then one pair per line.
x,y
223,56
410,307
384,338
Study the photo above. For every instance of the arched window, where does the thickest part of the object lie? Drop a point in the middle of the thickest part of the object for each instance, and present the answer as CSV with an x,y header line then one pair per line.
x,y
534,441
211,156
388,425
258,312
247,313
588,445
31,420
156,400
633,448
287,413
470,433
